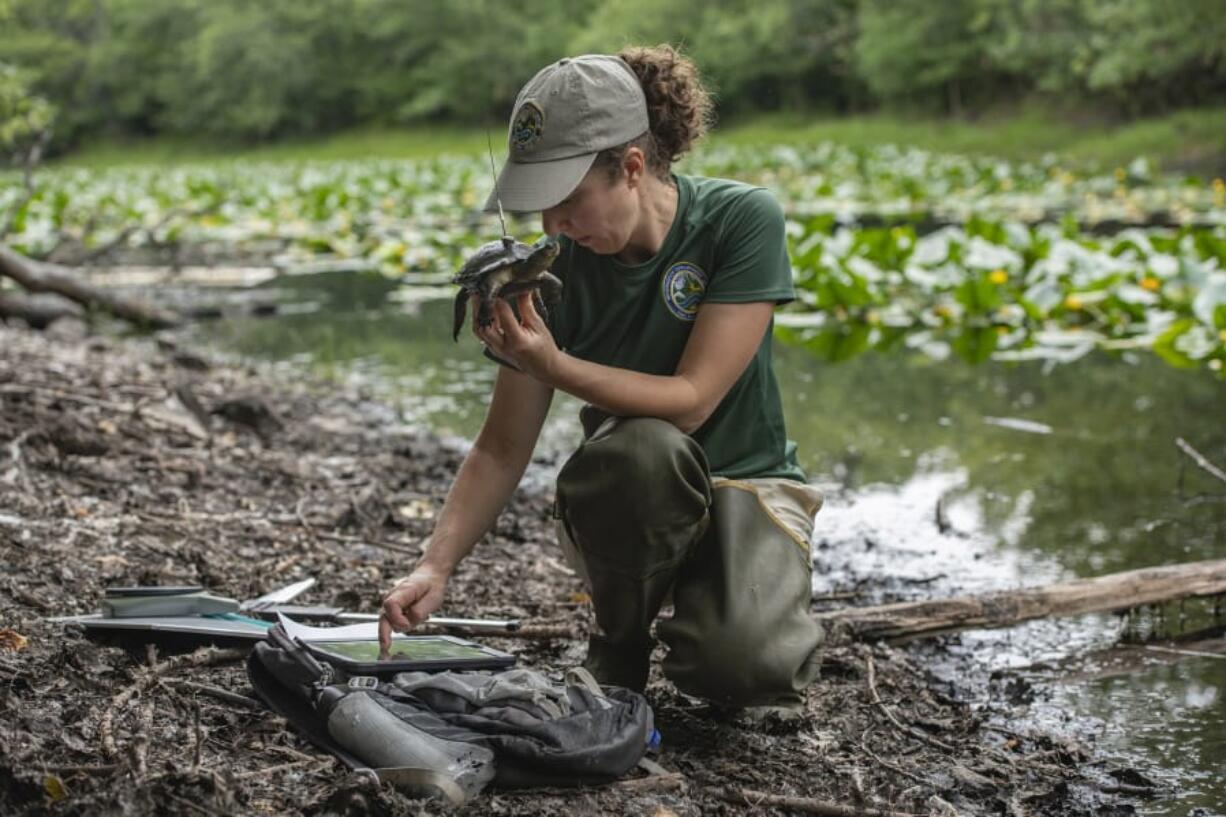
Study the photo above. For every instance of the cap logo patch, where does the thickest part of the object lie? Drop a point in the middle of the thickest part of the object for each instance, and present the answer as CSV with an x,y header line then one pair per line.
x,y
527,127
683,287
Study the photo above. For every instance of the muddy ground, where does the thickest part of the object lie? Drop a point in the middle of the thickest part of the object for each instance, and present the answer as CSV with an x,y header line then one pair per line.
x,y
126,461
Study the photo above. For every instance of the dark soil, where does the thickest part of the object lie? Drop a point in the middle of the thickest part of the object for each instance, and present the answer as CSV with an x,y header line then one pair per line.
x,y
130,461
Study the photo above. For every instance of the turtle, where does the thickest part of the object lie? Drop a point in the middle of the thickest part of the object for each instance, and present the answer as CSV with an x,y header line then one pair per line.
x,y
503,268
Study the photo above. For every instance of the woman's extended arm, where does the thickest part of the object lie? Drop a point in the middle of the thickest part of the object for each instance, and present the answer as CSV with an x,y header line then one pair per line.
x,y
721,344
486,479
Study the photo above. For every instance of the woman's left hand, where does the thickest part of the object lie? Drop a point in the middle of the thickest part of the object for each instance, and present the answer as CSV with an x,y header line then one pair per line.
x,y
526,342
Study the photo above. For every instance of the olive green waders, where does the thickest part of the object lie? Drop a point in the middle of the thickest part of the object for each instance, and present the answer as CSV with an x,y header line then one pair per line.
x,y
640,518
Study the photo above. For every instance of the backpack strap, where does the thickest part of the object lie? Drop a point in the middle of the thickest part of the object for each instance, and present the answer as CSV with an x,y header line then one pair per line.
x,y
297,710
579,676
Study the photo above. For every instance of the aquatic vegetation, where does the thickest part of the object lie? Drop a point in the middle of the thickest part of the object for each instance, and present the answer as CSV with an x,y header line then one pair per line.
x,y
1009,291
891,245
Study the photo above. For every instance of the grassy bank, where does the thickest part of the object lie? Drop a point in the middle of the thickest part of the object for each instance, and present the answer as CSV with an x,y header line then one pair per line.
x,y
415,142
1186,141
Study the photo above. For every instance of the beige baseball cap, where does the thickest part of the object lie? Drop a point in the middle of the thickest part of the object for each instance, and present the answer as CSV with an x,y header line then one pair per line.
x,y
565,115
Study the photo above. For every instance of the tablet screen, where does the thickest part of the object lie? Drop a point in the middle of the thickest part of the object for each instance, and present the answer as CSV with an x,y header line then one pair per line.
x,y
417,648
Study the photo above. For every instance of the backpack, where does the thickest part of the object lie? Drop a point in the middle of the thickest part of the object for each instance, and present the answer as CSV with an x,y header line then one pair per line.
x,y
449,734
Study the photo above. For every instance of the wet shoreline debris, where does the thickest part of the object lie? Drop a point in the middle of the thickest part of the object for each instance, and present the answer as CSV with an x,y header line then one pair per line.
x,y
109,474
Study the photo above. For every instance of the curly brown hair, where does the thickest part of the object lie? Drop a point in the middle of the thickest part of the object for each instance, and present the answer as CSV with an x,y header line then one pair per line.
x,y
679,109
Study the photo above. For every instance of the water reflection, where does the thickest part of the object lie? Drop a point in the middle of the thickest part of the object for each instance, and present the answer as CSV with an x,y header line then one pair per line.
x,y
1173,715
1098,493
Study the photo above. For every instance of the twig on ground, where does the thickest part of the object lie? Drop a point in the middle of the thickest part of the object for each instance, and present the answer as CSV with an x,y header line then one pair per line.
x,y
839,596
58,394
26,597
198,742
18,461
200,658
216,692
909,730
140,743
303,521
196,806
670,781
84,769
807,805
321,762
362,540
289,751
886,765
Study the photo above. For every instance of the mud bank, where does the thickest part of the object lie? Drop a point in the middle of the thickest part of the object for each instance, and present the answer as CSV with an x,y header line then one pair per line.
x,y
126,461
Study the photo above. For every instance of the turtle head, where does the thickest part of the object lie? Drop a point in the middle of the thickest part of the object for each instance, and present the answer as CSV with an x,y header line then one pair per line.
x,y
545,250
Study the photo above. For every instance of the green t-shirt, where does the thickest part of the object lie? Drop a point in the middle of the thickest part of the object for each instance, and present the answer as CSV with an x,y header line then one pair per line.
x,y
726,245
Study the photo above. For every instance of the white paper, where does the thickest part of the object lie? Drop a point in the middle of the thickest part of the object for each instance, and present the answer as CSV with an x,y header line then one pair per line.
x,y
350,632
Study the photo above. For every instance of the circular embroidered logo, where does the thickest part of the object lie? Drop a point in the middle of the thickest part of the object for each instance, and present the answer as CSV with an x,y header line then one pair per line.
x,y
527,127
682,288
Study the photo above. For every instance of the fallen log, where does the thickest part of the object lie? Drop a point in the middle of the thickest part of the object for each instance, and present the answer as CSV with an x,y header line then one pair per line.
x,y
38,311
1103,594
38,276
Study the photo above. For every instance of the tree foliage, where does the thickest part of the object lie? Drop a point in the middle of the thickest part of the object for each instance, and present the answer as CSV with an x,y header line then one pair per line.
x,y
236,69
25,118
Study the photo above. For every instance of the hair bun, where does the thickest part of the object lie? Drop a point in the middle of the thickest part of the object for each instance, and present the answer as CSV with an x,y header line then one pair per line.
x,y
679,109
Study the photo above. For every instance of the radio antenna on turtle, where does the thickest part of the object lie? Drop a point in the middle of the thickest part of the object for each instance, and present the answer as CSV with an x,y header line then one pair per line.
x,y
497,196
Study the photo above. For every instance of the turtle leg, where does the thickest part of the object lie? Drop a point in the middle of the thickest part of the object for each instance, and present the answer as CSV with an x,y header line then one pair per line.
x,y
485,314
551,288
549,291
461,312
510,290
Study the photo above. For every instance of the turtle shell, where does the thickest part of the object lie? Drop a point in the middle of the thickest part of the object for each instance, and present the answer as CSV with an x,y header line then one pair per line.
x,y
492,256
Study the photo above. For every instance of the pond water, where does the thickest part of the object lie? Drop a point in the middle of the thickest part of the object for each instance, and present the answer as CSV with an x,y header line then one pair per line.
x,y
941,477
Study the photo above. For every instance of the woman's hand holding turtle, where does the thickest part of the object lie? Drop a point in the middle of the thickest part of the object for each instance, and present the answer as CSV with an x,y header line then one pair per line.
x,y
527,342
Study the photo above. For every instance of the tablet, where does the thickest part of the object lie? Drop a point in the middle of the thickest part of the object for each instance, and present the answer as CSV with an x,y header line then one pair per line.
x,y
432,653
